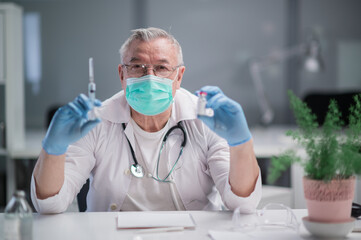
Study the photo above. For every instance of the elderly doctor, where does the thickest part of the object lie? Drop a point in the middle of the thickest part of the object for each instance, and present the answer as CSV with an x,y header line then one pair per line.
x,y
148,149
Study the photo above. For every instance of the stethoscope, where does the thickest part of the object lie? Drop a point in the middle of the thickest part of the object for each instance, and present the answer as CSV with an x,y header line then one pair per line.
x,y
137,170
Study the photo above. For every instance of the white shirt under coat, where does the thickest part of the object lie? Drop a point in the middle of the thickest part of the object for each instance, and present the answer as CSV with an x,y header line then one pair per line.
x,y
104,156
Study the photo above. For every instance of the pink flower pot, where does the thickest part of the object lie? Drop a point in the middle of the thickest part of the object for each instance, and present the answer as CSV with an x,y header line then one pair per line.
x,y
331,201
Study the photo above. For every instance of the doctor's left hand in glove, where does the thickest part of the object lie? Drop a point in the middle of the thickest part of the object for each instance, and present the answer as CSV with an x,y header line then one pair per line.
x,y
228,120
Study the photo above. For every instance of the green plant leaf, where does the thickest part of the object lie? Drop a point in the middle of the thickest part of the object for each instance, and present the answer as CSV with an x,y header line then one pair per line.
x,y
330,151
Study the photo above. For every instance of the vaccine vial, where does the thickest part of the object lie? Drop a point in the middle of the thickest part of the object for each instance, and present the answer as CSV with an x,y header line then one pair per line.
x,y
202,102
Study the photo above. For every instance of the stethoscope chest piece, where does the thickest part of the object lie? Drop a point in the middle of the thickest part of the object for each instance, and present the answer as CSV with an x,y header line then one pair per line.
x,y
137,170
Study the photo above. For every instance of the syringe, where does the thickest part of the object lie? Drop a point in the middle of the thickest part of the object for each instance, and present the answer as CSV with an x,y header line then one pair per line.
x,y
91,86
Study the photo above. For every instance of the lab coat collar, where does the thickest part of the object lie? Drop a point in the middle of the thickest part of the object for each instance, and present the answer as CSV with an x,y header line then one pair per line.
x,y
184,106
117,110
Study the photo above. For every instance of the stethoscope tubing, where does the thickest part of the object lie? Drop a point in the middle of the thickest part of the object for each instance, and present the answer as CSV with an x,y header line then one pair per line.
x,y
179,126
137,170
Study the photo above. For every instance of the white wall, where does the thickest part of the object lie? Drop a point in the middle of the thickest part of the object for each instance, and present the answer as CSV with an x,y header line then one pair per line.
x,y
218,37
73,31
337,22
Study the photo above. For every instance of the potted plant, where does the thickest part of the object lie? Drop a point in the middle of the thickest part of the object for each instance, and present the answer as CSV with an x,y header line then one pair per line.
x,y
332,159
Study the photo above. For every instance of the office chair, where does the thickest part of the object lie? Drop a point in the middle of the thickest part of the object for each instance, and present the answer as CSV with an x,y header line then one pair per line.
x,y
318,102
81,197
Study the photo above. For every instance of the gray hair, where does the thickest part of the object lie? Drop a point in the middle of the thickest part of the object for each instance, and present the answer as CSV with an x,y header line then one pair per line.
x,y
148,34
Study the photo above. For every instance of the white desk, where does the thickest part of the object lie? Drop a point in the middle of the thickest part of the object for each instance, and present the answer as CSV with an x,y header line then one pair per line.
x,y
102,225
32,146
271,141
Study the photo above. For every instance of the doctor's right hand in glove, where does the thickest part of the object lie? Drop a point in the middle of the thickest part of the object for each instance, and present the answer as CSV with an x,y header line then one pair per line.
x,y
69,124
229,122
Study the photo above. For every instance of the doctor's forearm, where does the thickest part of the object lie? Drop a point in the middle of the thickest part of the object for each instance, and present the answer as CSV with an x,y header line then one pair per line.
x,y
244,169
49,174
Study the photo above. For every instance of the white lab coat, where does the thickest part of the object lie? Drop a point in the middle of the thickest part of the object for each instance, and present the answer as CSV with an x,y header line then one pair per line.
x,y
104,156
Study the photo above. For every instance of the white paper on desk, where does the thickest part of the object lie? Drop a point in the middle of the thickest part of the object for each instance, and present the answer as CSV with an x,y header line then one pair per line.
x,y
132,220
230,235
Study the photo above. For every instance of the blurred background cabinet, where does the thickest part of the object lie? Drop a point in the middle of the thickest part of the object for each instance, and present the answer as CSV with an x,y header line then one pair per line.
x,y
11,75
12,88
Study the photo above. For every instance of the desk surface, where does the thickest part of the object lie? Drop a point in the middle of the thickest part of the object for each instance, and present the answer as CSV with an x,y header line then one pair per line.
x,y
32,147
102,225
271,141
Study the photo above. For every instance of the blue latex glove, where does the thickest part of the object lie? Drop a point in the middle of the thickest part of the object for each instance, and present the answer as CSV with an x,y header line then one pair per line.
x,y
228,120
69,124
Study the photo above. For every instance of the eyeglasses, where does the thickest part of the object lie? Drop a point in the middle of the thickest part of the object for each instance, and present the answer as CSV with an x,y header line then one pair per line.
x,y
266,219
160,70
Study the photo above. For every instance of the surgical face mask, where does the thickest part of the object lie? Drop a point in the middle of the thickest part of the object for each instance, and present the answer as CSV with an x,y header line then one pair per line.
x,y
149,95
